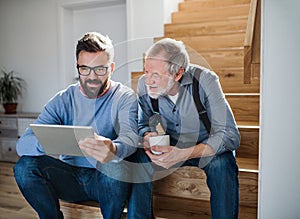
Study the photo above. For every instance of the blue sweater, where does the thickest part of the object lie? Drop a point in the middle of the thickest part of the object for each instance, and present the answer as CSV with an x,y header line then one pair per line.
x,y
113,115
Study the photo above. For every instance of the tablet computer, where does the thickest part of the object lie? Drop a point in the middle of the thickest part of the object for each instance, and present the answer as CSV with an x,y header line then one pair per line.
x,y
61,139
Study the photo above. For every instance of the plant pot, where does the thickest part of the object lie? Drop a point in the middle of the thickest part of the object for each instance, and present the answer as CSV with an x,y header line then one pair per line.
x,y
10,108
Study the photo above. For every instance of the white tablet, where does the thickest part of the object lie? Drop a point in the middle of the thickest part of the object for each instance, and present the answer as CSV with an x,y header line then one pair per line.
x,y
61,139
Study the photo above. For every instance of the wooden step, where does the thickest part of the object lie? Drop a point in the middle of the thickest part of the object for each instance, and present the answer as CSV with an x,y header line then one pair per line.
x,y
214,42
209,5
247,164
232,81
211,15
245,107
247,153
229,58
190,183
182,208
248,188
205,28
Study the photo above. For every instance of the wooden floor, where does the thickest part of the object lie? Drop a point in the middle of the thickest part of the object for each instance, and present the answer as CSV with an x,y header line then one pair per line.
x,y
14,206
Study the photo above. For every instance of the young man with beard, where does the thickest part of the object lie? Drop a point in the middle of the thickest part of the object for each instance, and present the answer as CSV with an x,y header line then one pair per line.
x,y
103,175
169,93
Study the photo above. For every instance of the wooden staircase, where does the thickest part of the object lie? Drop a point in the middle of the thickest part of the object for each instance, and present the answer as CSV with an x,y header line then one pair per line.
x,y
215,32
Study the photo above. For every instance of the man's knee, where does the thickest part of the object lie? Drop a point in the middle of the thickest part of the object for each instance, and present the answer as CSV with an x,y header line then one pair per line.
x,y
23,164
222,164
28,167
22,169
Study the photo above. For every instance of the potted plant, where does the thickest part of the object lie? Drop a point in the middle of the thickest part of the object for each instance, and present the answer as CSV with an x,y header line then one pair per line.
x,y
11,88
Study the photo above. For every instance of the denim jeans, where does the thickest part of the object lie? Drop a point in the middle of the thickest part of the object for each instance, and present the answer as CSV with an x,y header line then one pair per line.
x,y
222,181
43,180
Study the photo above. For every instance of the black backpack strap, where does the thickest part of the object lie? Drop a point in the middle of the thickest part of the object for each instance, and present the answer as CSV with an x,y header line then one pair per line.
x,y
155,119
200,108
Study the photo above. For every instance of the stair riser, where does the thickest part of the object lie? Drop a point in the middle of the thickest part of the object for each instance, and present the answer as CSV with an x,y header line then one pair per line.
x,y
205,28
232,81
179,208
214,42
245,108
217,14
218,59
249,143
209,5
190,183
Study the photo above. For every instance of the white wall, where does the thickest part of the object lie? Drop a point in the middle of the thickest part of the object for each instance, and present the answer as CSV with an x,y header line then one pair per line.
x,y
28,45
279,195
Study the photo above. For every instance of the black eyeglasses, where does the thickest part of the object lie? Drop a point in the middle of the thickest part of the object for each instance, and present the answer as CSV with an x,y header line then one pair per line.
x,y
86,70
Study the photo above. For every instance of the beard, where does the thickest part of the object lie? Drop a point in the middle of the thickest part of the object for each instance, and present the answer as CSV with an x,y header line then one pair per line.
x,y
162,91
93,92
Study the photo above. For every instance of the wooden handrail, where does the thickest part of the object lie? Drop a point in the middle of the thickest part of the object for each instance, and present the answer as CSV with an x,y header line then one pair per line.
x,y
248,42
251,23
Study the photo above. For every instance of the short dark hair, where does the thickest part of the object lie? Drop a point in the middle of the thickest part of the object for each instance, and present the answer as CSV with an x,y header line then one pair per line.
x,y
95,42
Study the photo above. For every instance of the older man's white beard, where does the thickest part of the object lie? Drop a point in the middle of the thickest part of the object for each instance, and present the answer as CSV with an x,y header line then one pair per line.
x,y
162,91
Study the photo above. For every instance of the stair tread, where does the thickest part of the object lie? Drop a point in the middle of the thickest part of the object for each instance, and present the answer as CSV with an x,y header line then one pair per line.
x,y
247,164
248,124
